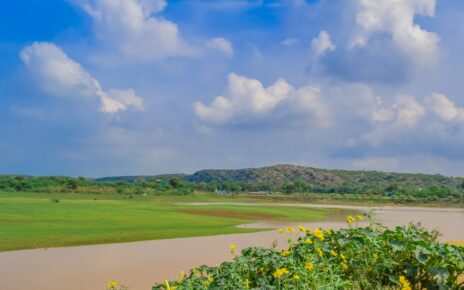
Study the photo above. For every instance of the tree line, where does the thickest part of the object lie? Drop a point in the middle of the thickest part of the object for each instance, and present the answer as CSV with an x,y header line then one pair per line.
x,y
178,186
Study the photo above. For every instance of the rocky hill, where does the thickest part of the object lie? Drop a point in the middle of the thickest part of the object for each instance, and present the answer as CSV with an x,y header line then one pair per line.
x,y
281,174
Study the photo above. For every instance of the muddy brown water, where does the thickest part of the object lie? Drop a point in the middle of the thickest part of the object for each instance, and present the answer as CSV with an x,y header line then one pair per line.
x,y
140,264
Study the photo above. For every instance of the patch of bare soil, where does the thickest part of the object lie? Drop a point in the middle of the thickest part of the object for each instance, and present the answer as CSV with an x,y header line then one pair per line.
x,y
232,214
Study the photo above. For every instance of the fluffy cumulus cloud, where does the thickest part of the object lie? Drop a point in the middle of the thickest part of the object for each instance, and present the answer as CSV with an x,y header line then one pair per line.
x,y
59,75
247,100
444,108
245,97
352,114
404,112
223,45
327,104
396,19
322,44
378,41
421,122
390,121
132,29
348,120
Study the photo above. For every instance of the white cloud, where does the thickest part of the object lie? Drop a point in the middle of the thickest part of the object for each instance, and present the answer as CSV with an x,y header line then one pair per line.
x,y
290,41
154,6
405,112
223,45
396,19
444,108
247,99
321,44
308,100
408,111
350,110
391,121
61,76
412,125
57,73
130,28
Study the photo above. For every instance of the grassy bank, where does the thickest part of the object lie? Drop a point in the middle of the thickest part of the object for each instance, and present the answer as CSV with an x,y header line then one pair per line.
x,y
106,193
348,199
29,220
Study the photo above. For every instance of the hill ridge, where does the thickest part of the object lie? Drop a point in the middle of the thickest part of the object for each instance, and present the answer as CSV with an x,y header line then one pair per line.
x,y
280,174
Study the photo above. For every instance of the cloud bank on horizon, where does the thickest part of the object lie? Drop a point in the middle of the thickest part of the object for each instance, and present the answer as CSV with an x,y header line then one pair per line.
x,y
154,86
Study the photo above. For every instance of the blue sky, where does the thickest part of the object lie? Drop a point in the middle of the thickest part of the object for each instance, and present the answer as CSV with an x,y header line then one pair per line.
x,y
124,87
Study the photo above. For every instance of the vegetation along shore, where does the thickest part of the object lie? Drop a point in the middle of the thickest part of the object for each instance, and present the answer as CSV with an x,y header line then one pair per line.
x,y
371,257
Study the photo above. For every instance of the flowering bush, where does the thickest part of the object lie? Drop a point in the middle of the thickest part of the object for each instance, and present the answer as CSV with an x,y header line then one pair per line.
x,y
370,257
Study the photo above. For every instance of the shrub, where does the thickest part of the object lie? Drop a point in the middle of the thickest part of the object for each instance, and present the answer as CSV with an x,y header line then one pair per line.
x,y
370,257
55,200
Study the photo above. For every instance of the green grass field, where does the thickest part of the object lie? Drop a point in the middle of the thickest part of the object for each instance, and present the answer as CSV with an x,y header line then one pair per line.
x,y
29,220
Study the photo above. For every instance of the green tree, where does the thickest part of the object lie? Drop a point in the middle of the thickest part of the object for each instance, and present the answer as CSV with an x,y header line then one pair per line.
x,y
176,182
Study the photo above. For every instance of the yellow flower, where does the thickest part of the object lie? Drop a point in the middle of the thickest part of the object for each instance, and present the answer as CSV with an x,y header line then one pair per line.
x,y
280,231
309,266
111,284
290,229
302,228
308,241
333,253
405,283
375,256
166,283
329,232
296,277
360,217
208,280
285,253
349,219
344,266
319,234
343,257
319,251
181,276
279,272
232,248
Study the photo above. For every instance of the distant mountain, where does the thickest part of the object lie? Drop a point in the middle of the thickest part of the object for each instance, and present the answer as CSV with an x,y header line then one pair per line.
x,y
278,175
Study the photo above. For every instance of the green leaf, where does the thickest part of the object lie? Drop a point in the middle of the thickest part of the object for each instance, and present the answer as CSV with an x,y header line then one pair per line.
x,y
441,274
397,246
421,255
394,279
